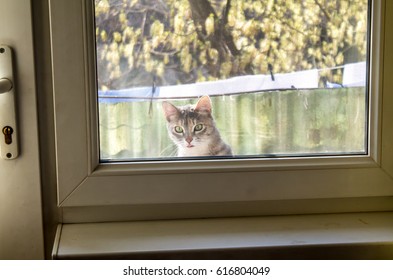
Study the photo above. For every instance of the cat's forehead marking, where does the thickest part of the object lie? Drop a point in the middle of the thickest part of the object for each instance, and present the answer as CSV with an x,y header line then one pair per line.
x,y
187,111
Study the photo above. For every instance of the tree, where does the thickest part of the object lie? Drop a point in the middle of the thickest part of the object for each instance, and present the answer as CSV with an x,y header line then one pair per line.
x,y
187,41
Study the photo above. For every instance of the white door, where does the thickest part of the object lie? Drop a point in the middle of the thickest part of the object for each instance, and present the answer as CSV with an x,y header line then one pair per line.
x,y
21,227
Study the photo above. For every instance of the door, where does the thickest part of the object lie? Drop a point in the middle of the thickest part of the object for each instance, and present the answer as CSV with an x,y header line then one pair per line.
x,y
21,227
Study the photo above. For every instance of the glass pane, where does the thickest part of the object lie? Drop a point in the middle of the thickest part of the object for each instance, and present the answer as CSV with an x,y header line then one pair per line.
x,y
264,78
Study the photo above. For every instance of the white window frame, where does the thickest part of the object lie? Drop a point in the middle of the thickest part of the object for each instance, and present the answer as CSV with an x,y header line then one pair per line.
x,y
85,182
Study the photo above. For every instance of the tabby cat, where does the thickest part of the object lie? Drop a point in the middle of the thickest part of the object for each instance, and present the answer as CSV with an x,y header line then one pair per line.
x,y
193,130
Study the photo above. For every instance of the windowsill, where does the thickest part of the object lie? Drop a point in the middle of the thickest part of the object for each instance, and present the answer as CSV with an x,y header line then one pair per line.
x,y
341,236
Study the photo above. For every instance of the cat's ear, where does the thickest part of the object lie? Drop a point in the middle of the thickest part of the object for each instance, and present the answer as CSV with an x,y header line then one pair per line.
x,y
170,110
204,105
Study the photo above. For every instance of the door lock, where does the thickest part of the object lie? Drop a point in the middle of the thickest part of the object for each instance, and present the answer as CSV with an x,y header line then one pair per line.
x,y
9,131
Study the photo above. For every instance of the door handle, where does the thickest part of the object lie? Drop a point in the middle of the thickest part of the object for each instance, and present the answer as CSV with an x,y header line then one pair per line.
x,y
8,125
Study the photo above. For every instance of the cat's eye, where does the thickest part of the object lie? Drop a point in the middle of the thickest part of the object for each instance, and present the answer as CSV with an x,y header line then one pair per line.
x,y
198,127
178,129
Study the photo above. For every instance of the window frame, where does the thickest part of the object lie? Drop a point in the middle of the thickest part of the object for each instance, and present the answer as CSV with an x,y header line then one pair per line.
x,y
83,181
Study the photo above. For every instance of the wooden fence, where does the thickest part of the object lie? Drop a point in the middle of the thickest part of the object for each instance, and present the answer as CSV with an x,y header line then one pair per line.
x,y
294,122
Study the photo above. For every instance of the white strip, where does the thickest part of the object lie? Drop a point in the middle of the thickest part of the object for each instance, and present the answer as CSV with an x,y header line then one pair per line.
x,y
205,269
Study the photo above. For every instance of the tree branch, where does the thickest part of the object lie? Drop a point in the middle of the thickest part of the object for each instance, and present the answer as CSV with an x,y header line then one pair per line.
x,y
322,9
221,40
226,12
138,51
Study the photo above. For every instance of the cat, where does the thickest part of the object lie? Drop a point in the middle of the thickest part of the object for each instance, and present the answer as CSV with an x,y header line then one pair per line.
x,y
193,130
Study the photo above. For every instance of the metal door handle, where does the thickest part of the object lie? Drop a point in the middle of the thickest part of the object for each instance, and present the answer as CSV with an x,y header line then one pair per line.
x,y
8,125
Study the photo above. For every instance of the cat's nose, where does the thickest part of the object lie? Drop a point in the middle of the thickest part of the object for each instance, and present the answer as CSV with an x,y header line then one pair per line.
x,y
189,140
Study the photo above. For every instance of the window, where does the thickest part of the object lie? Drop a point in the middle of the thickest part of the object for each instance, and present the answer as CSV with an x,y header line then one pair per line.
x,y
86,184
287,78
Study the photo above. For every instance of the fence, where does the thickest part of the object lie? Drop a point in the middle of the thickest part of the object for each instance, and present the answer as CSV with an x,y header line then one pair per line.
x,y
300,122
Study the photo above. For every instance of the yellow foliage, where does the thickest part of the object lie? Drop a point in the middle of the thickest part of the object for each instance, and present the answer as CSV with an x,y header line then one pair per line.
x,y
292,35
117,37
213,54
226,69
103,36
123,18
156,29
209,25
102,7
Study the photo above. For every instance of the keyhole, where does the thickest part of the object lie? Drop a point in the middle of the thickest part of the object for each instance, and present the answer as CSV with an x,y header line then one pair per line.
x,y
7,131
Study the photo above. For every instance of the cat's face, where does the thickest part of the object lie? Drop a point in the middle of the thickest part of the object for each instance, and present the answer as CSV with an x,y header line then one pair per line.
x,y
190,126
